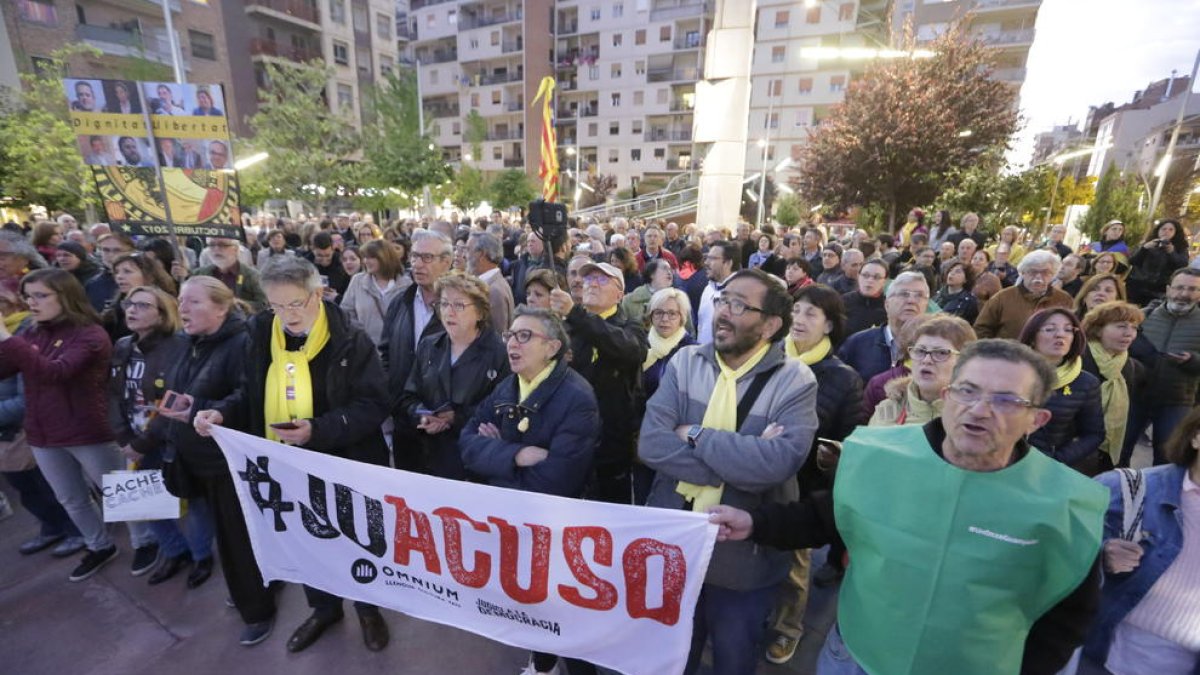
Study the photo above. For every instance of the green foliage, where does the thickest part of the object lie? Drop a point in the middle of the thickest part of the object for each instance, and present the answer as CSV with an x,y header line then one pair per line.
x,y
999,199
511,188
40,162
906,124
1069,193
311,148
468,188
475,133
1117,197
788,210
399,154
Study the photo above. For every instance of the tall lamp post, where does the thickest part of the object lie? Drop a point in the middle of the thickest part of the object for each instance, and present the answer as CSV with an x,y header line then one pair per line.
x,y
1166,160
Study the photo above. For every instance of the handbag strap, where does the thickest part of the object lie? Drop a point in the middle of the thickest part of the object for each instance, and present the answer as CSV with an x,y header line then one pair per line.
x,y
1133,498
752,392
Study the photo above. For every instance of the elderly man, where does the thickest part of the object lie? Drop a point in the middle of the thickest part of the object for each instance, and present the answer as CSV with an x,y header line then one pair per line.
x,y
969,229
484,254
225,266
654,249
674,243
852,262
1057,234
865,305
17,257
1006,312
731,423
946,576
966,250
874,350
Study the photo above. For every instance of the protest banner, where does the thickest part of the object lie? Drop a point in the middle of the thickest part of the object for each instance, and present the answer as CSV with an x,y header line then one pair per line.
x,y
610,584
137,495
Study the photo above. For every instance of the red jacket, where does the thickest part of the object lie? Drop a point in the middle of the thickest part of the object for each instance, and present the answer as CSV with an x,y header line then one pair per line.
x,y
662,253
66,371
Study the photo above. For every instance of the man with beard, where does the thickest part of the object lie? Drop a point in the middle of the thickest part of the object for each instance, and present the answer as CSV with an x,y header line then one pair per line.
x,y
731,423
1006,312
239,278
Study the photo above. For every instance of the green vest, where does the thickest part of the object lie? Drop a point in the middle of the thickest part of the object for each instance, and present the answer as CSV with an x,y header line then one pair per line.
x,y
950,568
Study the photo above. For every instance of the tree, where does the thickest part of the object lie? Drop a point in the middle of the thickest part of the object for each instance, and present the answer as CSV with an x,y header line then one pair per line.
x,y
603,185
905,124
476,133
1117,198
399,153
788,211
511,188
998,198
469,188
40,162
1177,188
1069,193
311,148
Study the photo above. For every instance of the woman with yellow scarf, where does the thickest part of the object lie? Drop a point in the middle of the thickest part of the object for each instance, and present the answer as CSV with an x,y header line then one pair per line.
x,y
1111,328
1076,428
670,311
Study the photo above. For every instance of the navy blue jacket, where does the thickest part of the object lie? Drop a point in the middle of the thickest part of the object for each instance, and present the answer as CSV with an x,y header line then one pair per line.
x,y
563,418
1076,426
652,376
867,352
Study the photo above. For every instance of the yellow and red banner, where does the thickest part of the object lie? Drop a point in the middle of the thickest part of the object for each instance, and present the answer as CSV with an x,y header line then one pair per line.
x,y
548,168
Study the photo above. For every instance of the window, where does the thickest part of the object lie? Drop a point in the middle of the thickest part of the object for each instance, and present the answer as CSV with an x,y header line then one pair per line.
x,y
474,100
593,129
639,67
663,96
771,121
435,130
778,54
202,45
617,39
813,15
618,10
664,34
616,71
337,11
595,14
496,97
456,128
431,20
639,36
846,11
383,26
635,154
775,88
362,23
660,153
614,128
36,11
341,53
345,97
803,117
837,83
805,85
593,72
497,153
616,100
639,97
636,127
614,156
770,153
433,76
781,18
494,38
473,43
451,18
386,65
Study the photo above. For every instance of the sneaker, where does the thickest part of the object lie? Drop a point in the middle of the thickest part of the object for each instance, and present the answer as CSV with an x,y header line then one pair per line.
x,y
530,671
69,547
144,559
92,562
255,633
39,543
6,510
782,649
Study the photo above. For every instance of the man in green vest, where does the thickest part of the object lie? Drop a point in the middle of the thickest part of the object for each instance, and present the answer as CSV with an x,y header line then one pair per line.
x,y
969,552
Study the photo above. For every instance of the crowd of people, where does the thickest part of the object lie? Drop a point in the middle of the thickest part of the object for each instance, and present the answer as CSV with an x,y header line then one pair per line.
x,y
942,409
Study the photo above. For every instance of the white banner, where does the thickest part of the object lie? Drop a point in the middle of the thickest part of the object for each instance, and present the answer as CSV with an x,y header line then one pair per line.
x,y
137,495
613,585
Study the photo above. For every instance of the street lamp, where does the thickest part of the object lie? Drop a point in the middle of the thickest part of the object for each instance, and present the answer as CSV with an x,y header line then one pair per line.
x,y
247,162
762,181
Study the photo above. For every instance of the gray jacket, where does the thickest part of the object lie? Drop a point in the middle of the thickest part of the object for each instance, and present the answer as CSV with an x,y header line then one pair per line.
x,y
754,470
1174,383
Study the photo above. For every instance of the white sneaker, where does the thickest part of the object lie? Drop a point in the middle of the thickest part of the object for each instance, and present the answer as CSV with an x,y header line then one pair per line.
x,y
530,671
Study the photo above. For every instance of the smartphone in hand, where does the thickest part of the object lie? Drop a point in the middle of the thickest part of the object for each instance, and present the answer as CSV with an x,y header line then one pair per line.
x,y
287,426
169,400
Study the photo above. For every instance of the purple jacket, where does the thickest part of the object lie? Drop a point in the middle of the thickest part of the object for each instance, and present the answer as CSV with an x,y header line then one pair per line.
x,y
875,392
66,373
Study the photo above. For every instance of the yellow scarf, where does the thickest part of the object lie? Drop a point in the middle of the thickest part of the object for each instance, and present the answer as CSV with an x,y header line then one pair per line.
x,y
660,346
289,393
1067,373
603,315
722,416
1114,398
13,321
818,351
524,388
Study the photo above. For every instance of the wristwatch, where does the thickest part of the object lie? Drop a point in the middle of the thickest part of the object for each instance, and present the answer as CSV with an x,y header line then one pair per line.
x,y
693,434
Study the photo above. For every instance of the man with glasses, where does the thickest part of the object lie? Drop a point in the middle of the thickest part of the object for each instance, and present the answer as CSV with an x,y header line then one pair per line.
x,y
722,260
1173,328
874,350
946,576
608,349
864,306
1006,312
410,318
731,423
227,267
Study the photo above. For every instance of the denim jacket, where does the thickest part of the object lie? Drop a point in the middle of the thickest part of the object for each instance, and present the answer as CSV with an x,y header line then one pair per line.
x,y
1164,539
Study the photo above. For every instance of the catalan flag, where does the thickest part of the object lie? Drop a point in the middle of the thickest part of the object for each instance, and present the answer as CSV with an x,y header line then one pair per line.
x,y
548,169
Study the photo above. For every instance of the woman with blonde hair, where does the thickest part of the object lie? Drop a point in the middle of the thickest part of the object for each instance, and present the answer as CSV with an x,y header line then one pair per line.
x,y
1111,329
917,398
1010,235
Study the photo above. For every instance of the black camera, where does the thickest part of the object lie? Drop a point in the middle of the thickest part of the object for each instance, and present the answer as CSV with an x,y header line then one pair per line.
x,y
549,221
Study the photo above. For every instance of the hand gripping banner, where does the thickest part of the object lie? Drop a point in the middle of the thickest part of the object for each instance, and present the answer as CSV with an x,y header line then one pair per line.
x,y
613,585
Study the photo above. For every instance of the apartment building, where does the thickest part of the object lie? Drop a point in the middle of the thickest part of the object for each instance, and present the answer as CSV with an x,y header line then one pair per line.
x,y
1006,26
1122,135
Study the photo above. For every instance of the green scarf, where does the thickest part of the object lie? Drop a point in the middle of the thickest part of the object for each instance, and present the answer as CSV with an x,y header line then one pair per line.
x,y
1114,398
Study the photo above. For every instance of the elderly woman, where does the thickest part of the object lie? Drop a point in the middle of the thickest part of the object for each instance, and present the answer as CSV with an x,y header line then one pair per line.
x,y
372,290
656,275
670,311
1111,329
1076,427
452,372
955,296
539,428
980,261
1146,621
917,398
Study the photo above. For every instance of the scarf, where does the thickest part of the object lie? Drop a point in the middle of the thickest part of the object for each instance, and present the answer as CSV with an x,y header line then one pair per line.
x,y
818,351
1114,398
661,347
1066,373
603,315
13,321
289,383
525,388
721,415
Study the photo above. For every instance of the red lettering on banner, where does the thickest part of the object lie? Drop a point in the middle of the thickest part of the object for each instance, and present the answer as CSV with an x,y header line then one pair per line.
x,y
421,542
452,533
606,593
674,577
539,563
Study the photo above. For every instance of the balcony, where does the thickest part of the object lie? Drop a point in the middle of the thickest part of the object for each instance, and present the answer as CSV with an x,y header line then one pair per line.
x,y
438,56
672,74
682,106
262,47
1008,38
510,47
579,57
404,31
121,42
983,6
514,106
496,78
437,111
292,11
472,22
680,11
673,136
1009,74
514,163
689,42
418,4
505,135
568,28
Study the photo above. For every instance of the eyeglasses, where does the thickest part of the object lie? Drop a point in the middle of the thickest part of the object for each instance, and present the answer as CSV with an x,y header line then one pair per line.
x,y
295,306
664,314
522,336
1005,404
1055,330
1043,273
736,307
938,355
36,296
910,295
597,280
427,257
458,307
139,306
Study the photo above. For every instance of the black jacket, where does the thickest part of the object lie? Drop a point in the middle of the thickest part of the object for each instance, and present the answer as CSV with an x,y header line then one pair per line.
x,y
355,388
433,383
962,304
161,354
1150,272
608,353
863,312
694,287
839,410
398,347
1133,372
211,373
1076,426
809,523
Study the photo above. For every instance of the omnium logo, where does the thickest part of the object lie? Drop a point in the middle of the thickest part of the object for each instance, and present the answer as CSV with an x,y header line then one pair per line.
x,y
364,571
